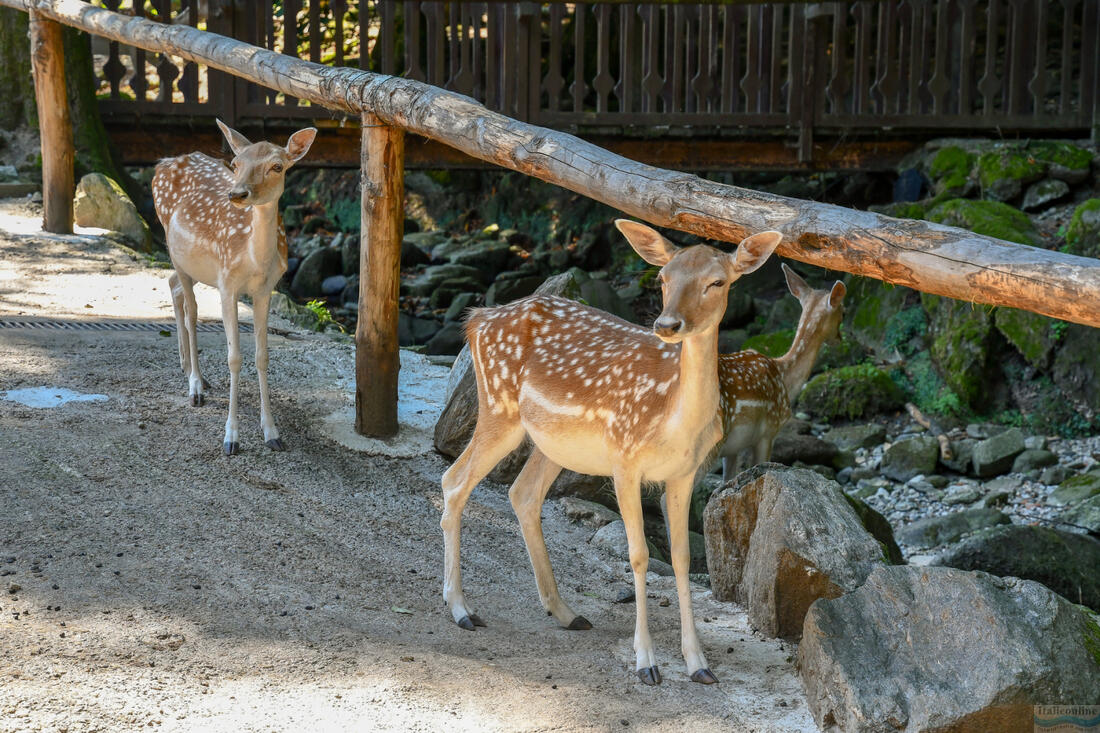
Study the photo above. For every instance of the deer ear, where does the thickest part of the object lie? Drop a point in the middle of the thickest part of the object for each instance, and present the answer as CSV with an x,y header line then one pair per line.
x,y
795,283
754,251
237,141
647,242
836,295
298,144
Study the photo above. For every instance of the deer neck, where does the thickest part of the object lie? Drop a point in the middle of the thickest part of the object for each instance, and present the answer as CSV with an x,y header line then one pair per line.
x,y
798,362
263,241
698,377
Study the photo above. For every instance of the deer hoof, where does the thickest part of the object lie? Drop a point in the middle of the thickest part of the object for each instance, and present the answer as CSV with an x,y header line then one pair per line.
x,y
580,623
650,675
704,677
205,384
476,619
466,622
197,400
275,444
231,449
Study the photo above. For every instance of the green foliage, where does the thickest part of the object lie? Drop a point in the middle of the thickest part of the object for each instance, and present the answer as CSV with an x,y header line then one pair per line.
x,y
960,344
850,392
1083,233
1033,335
991,218
903,328
323,314
1066,155
926,389
950,170
1090,635
1008,164
771,344
1058,329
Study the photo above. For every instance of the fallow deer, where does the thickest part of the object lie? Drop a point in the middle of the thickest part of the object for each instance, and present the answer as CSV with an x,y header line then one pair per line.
x,y
602,396
757,391
223,229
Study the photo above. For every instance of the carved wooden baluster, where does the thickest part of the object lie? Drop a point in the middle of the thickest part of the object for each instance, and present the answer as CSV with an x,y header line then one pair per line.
x,y
290,38
703,84
477,55
1018,60
652,81
579,88
166,70
492,56
966,67
1090,57
437,57
750,82
1040,79
339,8
114,69
775,57
731,59
989,84
886,81
386,37
691,41
454,51
919,61
189,79
554,83
603,82
674,66
138,83
629,50
414,69
860,82
316,37
1065,92
940,82
836,89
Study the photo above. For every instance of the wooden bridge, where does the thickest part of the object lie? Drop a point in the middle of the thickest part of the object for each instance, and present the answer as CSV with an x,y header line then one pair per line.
x,y
711,85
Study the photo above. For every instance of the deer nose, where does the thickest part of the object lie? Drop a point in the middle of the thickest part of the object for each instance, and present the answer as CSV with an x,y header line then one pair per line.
x,y
667,326
238,194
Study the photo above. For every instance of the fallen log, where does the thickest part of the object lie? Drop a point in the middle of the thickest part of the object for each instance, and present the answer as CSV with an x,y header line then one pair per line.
x,y
921,255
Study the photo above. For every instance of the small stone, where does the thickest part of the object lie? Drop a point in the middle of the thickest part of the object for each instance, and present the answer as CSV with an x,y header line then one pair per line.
x,y
908,458
587,512
1042,193
1033,458
1054,475
624,595
995,455
14,588
1075,489
961,495
850,437
333,284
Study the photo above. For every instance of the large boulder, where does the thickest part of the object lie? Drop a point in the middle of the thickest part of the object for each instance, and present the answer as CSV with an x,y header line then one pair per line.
x,y
908,458
932,532
1076,369
1083,232
994,456
991,218
1066,563
1076,488
777,539
850,437
939,649
961,337
318,265
850,392
101,202
1085,514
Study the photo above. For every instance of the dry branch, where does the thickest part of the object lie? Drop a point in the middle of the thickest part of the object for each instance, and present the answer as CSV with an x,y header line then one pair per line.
x,y
933,427
929,257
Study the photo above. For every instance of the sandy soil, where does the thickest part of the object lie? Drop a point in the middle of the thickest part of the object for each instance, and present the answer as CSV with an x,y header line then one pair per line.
x,y
148,581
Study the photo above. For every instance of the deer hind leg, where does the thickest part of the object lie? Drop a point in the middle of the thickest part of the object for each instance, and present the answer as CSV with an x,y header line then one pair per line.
x,y
260,303
527,495
195,382
678,493
182,337
762,451
494,438
629,496
231,443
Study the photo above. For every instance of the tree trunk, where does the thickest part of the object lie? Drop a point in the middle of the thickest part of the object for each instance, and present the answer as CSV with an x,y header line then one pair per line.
x,y
16,86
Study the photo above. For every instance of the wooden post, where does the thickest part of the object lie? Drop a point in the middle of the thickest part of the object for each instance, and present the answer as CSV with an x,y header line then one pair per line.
x,y
54,124
377,361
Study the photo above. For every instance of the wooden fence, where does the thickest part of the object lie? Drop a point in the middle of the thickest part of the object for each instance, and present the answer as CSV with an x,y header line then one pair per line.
x,y
925,256
793,69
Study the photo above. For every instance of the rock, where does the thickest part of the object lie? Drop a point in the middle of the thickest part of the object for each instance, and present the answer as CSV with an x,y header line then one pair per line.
x,y
1064,562
850,392
412,255
1039,195
1083,232
1005,483
413,331
447,340
1085,514
299,315
961,336
850,437
908,458
1030,460
939,649
333,284
101,202
935,531
1036,442
1076,369
950,172
424,241
314,269
506,290
1033,335
869,307
600,294
433,276
909,186
456,311
1075,489
1003,173
488,256
991,218
962,456
790,447
739,310
583,486
611,538
8,173
994,456
967,494
1065,161
1054,475
350,293
879,528
587,512
777,539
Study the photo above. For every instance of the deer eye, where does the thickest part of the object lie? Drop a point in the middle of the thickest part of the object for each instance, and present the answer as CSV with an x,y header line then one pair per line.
x,y
717,284
278,167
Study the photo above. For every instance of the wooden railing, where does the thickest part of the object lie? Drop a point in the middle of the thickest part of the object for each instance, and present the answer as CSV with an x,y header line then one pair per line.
x,y
921,255
789,68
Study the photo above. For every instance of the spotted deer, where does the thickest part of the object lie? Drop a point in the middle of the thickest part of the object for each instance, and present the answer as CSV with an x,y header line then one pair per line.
x,y
757,391
602,396
223,229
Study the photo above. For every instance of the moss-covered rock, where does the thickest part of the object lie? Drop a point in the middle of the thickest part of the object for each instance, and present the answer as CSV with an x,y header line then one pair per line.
x,y
869,306
925,388
879,528
771,344
950,171
850,392
991,218
1083,232
960,342
1065,161
1077,363
901,209
1003,173
1033,335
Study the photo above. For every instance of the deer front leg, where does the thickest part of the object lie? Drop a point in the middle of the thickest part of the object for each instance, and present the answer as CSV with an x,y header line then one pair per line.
x,y
527,495
678,493
628,494
260,303
195,382
182,338
233,341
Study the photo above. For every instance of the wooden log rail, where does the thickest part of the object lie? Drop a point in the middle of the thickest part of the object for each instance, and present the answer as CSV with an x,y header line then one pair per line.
x,y
921,255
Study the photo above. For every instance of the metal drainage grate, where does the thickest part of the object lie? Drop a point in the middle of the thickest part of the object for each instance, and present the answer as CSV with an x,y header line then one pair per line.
x,y
62,325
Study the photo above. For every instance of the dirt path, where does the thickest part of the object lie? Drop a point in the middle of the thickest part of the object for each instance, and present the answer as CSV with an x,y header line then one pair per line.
x,y
151,582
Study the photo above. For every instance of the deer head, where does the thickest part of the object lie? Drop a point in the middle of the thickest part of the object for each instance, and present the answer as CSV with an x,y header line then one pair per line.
x,y
259,169
695,281
824,308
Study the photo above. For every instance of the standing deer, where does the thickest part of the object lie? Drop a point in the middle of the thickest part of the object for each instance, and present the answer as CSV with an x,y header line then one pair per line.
x,y
223,229
757,391
601,396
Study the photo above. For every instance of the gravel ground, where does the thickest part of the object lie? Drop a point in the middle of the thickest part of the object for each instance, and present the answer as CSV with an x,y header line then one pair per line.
x,y
148,581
